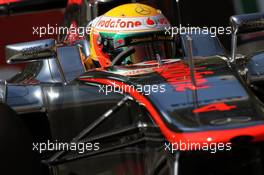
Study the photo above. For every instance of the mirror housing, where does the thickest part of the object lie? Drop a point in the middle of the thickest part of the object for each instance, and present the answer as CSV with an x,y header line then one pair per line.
x,y
247,23
241,24
30,51
255,71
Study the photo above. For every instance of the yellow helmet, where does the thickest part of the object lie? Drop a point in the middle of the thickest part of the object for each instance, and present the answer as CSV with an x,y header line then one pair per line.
x,y
122,26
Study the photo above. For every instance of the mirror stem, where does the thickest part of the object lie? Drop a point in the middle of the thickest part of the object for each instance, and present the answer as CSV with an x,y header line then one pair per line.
x,y
234,47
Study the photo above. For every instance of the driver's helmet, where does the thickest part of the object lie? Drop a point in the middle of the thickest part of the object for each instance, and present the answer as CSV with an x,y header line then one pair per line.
x,y
124,26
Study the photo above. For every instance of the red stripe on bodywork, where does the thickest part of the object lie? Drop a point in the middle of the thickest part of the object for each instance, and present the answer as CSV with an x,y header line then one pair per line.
x,y
216,136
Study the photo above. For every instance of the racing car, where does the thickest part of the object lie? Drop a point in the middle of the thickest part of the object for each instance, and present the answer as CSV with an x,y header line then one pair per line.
x,y
131,96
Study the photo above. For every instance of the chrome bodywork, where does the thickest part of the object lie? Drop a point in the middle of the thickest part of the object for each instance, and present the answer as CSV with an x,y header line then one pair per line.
x,y
23,52
25,90
52,88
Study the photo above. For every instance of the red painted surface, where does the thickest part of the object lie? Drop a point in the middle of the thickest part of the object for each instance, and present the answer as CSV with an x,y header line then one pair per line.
x,y
178,75
73,34
8,1
214,107
70,2
216,136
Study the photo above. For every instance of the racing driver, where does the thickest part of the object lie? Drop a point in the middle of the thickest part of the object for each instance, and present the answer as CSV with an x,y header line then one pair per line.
x,y
133,24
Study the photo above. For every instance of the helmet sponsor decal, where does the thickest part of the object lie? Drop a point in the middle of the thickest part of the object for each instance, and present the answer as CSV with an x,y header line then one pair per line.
x,y
132,24
150,22
118,23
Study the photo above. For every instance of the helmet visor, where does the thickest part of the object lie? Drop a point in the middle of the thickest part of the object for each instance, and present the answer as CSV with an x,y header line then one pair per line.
x,y
150,51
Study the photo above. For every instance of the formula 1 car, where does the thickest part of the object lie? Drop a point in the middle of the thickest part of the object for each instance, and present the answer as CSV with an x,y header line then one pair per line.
x,y
129,118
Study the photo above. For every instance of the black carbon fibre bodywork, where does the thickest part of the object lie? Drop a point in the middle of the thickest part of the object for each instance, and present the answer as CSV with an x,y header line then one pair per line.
x,y
61,103
57,112
224,85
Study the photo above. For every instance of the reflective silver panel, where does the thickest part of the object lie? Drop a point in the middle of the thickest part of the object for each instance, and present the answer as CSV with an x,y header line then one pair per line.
x,y
30,51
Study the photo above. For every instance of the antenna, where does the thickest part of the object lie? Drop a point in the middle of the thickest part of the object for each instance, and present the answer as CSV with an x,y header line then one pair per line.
x,y
179,12
190,60
192,72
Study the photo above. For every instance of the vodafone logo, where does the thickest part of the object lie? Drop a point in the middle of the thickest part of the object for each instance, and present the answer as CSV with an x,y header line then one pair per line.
x,y
131,24
149,22
119,23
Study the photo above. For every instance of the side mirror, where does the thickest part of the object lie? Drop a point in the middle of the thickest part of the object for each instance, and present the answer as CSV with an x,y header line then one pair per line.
x,y
246,23
255,68
30,51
